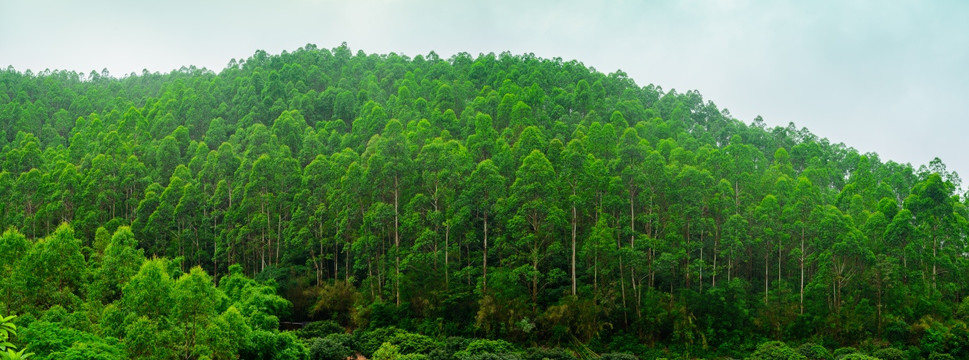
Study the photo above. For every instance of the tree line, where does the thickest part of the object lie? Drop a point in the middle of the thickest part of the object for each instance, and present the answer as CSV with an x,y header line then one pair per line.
x,y
499,196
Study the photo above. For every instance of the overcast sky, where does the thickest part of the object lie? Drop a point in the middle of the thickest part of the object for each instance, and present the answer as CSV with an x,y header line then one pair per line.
x,y
890,77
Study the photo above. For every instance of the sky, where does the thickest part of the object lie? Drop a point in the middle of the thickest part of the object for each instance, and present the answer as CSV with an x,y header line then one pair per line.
x,y
890,77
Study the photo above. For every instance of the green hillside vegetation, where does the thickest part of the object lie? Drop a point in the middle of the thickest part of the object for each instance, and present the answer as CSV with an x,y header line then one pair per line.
x,y
491,207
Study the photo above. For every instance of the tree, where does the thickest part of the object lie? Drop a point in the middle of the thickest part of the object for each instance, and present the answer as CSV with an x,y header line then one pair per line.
x,y
288,128
535,216
485,187
50,273
571,172
388,166
932,207
122,260
196,301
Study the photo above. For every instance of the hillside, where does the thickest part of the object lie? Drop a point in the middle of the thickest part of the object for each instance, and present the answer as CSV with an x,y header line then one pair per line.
x,y
502,196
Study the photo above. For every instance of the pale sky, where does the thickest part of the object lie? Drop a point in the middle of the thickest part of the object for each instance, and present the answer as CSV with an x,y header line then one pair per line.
x,y
890,77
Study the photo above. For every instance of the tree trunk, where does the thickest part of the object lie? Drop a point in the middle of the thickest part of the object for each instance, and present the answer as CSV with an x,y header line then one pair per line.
x,y
801,261
573,244
484,257
716,250
766,268
632,246
279,234
935,248
447,234
396,240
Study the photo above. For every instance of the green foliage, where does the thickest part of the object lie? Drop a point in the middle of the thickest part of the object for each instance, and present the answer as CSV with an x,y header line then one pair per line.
x,y
50,273
889,354
369,341
191,214
149,292
48,339
844,351
336,301
259,303
319,329
267,345
122,260
91,351
328,348
537,353
410,343
814,351
488,349
775,350
386,351
8,330
857,356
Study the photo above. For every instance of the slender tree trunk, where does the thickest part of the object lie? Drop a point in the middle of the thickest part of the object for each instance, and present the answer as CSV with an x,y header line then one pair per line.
x,y
622,281
346,265
935,248
573,244
879,306
766,268
336,256
632,246
262,250
484,257
686,268
373,294
447,235
396,240
801,261
701,264
437,229
279,234
595,272
716,251
215,252
467,248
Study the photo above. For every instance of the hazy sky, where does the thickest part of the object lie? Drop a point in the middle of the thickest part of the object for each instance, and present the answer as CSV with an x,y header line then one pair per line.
x,y
890,77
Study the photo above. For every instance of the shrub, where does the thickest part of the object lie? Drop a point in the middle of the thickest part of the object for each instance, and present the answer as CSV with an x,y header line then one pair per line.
x,y
448,347
775,350
482,349
844,351
386,351
538,353
858,356
890,354
410,343
814,351
492,346
369,341
328,349
319,329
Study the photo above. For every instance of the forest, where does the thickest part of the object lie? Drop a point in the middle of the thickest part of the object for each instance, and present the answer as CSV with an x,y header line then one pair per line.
x,y
321,203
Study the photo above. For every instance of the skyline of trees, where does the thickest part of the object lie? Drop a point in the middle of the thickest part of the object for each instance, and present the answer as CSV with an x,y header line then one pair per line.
x,y
499,196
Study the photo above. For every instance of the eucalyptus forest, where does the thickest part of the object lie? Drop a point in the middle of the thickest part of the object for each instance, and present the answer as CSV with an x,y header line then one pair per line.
x,y
325,204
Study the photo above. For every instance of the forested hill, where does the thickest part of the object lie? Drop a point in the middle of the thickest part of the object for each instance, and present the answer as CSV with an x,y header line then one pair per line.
x,y
499,196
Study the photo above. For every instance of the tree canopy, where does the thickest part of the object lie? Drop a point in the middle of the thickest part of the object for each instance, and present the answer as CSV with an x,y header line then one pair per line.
x,y
499,204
